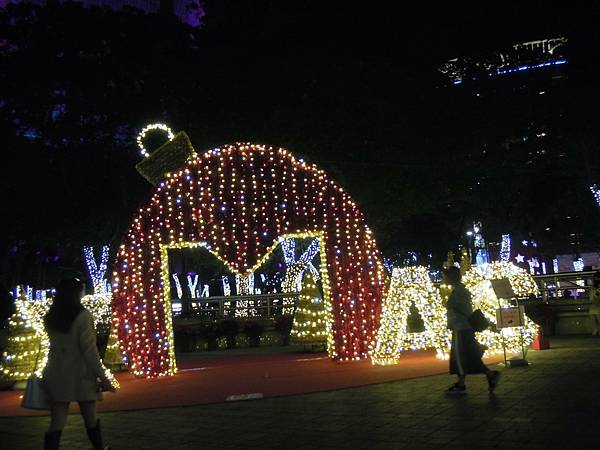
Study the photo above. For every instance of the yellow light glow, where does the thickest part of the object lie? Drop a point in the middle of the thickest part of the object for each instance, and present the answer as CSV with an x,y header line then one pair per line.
x,y
411,286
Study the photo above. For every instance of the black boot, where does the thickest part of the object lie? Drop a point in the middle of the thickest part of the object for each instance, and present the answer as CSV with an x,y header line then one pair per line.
x,y
52,439
95,436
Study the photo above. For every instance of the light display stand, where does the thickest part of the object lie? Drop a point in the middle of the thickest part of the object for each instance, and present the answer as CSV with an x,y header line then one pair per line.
x,y
509,317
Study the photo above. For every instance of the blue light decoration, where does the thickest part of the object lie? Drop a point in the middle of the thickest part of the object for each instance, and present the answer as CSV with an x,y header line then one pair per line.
x,y
192,283
388,264
226,286
505,248
205,291
596,193
42,294
178,286
481,253
578,265
533,265
26,291
96,271
295,268
410,258
308,256
531,66
288,246
517,58
244,285
555,265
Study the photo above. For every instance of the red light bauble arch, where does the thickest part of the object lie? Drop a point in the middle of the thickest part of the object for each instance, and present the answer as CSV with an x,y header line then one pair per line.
x,y
238,201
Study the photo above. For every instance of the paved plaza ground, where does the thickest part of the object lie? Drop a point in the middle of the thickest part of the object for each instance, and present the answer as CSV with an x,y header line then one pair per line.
x,y
553,403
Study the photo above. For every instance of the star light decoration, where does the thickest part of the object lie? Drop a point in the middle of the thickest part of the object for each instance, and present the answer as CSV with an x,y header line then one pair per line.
x,y
237,201
477,280
154,126
411,285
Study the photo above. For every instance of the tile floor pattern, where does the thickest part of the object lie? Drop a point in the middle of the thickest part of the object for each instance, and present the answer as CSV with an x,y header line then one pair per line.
x,y
553,403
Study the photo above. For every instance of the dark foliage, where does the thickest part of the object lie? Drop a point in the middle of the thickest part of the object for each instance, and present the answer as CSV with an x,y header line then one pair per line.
x,y
229,329
283,325
253,330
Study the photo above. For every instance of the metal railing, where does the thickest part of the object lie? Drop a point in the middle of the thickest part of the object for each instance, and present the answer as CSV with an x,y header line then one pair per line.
x,y
261,306
566,287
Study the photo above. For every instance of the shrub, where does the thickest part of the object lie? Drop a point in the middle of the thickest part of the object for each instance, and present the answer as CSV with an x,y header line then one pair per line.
x,y
283,325
211,332
229,330
253,330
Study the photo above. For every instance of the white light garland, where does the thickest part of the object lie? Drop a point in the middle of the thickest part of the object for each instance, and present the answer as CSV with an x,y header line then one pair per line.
x,y
205,291
533,264
226,286
192,283
97,272
505,248
154,126
178,286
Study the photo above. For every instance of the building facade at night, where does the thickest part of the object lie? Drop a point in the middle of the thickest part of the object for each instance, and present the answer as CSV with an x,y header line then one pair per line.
x,y
530,179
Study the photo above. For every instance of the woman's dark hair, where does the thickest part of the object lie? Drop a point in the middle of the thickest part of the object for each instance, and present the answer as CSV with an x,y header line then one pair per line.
x,y
453,274
65,306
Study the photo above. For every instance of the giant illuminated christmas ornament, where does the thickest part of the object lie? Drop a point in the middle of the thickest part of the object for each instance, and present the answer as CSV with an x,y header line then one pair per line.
x,y
238,201
477,280
411,286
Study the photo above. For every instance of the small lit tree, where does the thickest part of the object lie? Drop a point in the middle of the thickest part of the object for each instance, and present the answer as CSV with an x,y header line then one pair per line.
x,y
113,359
309,327
27,345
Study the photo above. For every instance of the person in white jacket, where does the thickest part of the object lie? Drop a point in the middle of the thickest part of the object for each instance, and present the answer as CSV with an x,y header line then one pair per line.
x,y
465,352
594,310
74,369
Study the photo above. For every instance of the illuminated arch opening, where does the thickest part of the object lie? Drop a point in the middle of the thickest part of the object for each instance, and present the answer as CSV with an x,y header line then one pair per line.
x,y
238,201
411,286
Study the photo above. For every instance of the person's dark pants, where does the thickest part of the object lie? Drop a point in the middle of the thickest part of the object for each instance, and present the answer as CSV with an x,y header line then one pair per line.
x,y
465,354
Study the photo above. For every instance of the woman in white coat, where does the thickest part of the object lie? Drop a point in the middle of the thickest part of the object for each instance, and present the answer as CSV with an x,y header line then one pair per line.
x,y
594,310
74,366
